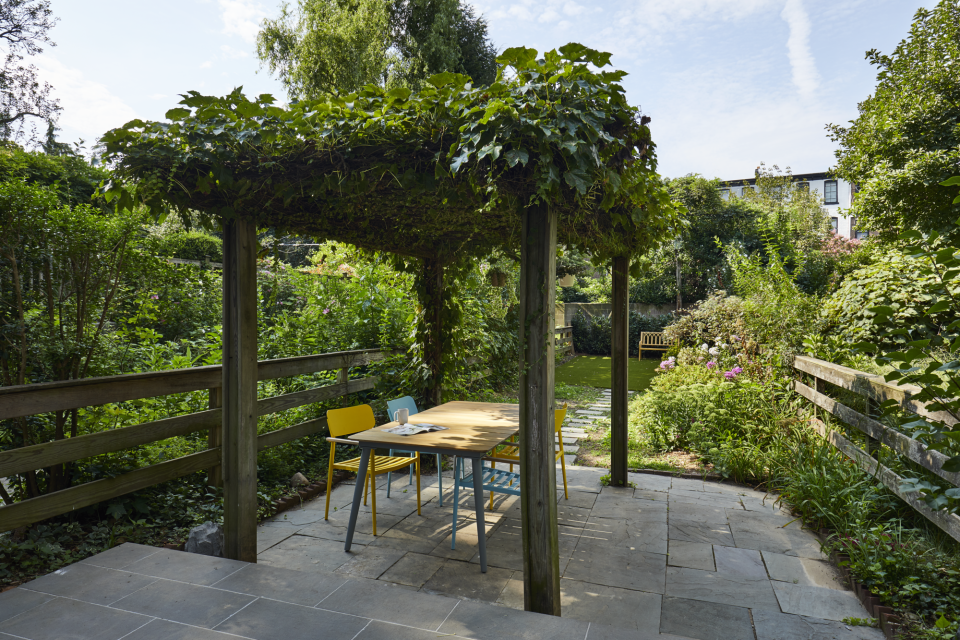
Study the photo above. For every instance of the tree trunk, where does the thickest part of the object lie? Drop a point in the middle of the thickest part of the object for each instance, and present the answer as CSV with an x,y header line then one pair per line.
x,y
620,328
538,497
239,430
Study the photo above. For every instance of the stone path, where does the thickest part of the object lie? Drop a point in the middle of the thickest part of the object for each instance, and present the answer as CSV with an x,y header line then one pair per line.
x,y
673,558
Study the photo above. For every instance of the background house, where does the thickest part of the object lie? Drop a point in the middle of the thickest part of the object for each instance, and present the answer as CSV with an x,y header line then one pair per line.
x,y
837,198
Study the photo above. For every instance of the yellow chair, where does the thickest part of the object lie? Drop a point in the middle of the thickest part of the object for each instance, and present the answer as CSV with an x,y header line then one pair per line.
x,y
344,422
510,452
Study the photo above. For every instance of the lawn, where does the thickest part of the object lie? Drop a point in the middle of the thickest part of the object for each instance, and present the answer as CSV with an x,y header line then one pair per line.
x,y
594,371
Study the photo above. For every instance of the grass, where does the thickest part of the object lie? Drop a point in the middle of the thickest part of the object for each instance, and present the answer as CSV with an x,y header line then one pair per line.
x,y
594,371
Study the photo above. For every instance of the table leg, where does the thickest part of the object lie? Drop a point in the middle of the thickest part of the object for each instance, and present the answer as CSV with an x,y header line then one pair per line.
x,y
478,503
357,496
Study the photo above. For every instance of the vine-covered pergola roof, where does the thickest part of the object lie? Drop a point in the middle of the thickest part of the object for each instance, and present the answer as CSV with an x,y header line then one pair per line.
x,y
441,173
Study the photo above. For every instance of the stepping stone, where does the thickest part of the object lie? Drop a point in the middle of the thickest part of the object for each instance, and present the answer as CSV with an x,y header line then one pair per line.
x,y
590,412
570,448
573,433
570,460
569,441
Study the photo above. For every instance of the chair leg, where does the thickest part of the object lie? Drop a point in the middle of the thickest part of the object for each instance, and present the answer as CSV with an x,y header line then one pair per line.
x,y
366,489
493,465
326,514
418,483
389,476
440,477
456,500
410,474
563,467
373,481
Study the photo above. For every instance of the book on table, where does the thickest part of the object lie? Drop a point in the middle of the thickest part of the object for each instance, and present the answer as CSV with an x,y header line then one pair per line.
x,y
410,429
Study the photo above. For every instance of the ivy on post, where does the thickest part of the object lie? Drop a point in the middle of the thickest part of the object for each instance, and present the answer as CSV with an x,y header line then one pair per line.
x,y
538,468
620,328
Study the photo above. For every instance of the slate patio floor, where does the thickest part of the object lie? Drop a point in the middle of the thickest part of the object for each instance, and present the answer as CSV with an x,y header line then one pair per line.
x,y
673,558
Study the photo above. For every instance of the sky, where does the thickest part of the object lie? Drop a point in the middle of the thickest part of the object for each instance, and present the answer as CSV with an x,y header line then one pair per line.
x,y
728,83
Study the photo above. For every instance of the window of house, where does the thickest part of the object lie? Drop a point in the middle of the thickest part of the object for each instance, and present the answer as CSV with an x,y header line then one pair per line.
x,y
724,193
835,224
830,192
857,233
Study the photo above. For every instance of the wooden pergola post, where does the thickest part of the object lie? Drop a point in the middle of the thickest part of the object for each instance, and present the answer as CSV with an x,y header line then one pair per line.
x,y
239,431
538,470
433,310
620,328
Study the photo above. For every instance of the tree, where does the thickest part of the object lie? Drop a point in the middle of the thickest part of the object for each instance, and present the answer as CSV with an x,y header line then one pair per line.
x,y
23,28
906,139
330,47
703,265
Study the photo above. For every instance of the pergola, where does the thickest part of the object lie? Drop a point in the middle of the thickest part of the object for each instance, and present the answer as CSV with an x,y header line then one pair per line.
x,y
550,153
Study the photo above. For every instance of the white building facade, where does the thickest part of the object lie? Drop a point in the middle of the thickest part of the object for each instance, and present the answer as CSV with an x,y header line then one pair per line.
x,y
837,198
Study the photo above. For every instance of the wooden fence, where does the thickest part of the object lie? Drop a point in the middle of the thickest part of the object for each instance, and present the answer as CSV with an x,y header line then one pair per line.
x,y
27,400
564,343
876,390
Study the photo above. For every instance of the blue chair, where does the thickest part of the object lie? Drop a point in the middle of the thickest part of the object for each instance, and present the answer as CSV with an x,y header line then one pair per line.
x,y
408,403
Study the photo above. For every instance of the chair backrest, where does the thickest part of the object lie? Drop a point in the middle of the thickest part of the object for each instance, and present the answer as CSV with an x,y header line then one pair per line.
x,y
343,422
406,402
559,415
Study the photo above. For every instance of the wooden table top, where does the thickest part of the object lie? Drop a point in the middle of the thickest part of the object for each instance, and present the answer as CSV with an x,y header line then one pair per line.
x,y
472,427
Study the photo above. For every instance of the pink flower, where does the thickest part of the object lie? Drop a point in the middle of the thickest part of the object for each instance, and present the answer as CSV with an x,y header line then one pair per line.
x,y
326,311
711,364
154,297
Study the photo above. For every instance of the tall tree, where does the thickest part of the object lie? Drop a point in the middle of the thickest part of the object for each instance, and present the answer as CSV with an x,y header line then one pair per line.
x,y
23,31
327,47
906,139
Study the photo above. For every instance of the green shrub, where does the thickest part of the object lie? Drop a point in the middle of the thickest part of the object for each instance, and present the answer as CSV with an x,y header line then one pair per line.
x,y
892,281
191,245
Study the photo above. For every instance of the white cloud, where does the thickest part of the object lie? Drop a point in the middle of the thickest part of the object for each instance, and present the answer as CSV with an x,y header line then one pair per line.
x,y
242,18
802,63
158,96
206,65
88,106
230,52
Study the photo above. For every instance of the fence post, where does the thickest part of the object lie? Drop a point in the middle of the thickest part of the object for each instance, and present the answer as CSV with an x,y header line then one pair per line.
x,y
343,376
873,445
215,436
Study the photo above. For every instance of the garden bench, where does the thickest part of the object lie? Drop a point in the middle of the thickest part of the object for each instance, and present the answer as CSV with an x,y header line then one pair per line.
x,y
653,341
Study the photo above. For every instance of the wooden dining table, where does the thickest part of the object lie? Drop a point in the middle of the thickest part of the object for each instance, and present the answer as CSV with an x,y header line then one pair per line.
x,y
472,430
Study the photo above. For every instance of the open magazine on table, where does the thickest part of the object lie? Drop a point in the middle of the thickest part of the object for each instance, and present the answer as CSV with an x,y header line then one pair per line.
x,y
411,428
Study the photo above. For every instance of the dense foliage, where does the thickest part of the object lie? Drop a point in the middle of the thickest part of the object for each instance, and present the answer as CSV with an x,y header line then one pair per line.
x,y
592,333
906,139
440,173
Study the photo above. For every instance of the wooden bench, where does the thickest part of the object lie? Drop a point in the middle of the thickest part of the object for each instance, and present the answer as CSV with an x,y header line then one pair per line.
x,y
653,341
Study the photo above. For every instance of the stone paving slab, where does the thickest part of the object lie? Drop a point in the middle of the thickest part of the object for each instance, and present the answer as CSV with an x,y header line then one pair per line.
x,y
692,555
771,625
623,608
693,584
817,602
802,571
773,533
704,620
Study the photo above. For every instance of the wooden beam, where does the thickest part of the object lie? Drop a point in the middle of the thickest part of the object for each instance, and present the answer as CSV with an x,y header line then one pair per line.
x,y
239,432
45,397
47,454
23,513
620,341
870,386
949,523
538,470
912,449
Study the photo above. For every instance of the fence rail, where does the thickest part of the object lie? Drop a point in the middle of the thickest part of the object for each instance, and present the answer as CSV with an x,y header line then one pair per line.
x,y
875,389
564,344
25,400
